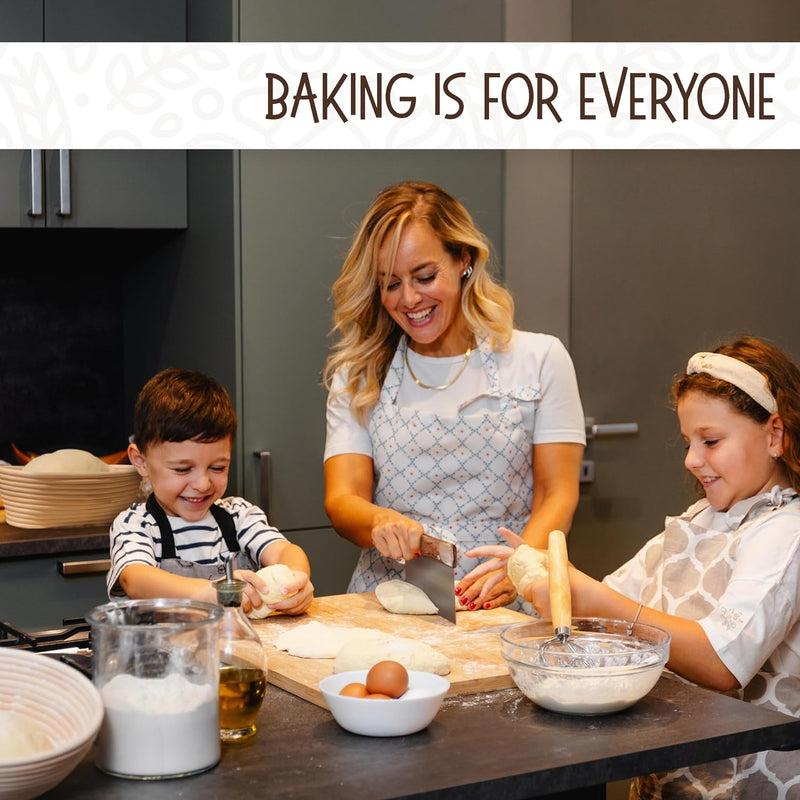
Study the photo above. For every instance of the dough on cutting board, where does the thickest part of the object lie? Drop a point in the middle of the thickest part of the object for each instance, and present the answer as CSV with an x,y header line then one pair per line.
x,y
527,565
276,576
401,597
315,640
411,653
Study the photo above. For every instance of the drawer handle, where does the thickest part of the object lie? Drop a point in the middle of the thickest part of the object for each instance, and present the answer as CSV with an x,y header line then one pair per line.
x,y
84,567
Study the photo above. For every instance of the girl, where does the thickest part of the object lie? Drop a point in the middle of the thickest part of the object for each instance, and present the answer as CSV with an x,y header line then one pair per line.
x,y
724,577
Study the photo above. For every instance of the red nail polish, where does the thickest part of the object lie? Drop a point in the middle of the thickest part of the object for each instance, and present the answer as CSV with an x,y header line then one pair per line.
x,y
458,590
487,605
472,606
464,601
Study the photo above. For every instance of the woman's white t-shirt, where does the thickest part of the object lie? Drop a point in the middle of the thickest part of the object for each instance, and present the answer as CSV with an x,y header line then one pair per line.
x,y
536,372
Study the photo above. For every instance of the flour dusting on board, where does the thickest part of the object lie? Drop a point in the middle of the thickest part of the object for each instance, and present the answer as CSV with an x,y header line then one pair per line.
x,y
471,646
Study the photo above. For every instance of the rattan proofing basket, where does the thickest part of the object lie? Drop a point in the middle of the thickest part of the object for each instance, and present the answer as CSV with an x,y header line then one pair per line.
x,y
47,500
63,702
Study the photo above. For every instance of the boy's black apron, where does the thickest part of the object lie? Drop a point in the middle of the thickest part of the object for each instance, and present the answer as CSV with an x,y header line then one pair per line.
x,y
190,569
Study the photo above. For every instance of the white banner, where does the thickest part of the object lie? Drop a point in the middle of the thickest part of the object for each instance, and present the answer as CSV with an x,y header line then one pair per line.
x,y
496,95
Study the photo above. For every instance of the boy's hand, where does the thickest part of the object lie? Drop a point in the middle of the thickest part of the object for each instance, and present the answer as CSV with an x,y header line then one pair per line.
x,y
302,593
300,588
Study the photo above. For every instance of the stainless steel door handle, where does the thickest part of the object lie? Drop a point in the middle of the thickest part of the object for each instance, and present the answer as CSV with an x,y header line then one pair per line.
x,y
37,191
84,567
594,430
64,190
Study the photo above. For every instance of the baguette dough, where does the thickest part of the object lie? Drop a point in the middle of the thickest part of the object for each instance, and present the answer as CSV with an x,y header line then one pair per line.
x,y
360,648
315,640
276,576
401,597
411,653
526,566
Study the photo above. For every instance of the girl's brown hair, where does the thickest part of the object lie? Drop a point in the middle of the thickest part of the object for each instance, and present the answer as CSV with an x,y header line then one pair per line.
x,y
783,377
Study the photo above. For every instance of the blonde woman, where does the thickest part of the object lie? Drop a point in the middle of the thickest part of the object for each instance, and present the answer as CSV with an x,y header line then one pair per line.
x,y
441,417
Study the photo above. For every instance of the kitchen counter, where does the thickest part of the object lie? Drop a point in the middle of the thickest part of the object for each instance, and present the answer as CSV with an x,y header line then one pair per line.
x,y
495,744
33,542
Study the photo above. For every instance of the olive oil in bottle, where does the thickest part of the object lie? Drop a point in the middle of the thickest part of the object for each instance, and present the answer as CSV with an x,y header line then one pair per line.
x,y
243,665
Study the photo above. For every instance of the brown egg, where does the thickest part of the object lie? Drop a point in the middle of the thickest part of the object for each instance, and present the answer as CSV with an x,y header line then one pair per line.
x,y
354,690
387,677
378,696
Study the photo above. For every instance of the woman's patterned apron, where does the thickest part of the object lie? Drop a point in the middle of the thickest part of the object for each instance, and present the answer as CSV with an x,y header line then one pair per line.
x,y
688,575
461,477
190,569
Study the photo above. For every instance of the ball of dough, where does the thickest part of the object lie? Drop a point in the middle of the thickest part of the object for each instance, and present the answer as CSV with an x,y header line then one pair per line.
x,y
276,576
401,597
411,653
527,565
67,460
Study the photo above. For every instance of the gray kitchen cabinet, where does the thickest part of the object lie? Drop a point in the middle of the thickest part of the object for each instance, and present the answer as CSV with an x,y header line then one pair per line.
x,y
93,188
35,595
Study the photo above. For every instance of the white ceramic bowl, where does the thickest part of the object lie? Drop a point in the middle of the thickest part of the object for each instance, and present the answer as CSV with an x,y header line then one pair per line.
x,y
611,670
409,713
50,499
63,702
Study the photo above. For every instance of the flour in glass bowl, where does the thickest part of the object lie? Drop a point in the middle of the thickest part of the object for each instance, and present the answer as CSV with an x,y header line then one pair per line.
x,y
614,681
158,727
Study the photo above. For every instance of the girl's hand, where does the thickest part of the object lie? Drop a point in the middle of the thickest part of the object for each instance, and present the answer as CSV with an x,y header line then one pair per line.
x,y
488,585
396,536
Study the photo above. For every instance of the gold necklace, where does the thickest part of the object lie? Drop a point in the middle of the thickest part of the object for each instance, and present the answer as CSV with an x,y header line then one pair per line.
x,y
444,386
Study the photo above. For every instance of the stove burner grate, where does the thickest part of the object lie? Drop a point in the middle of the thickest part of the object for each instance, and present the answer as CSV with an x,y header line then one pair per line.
x,y
75,633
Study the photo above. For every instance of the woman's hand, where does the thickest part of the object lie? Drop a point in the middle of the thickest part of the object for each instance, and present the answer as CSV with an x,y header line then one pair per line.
x,y
396,536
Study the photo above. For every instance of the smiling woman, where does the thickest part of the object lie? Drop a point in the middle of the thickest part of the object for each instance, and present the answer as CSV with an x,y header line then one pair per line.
x,y
440,415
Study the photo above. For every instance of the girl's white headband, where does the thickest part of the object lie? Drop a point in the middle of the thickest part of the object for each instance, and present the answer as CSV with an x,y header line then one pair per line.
x,y
740,374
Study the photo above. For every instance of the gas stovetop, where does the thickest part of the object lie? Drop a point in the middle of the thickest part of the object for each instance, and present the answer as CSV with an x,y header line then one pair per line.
x,y
70,644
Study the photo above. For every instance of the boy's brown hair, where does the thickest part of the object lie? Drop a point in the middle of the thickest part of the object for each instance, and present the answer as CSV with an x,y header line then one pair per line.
x,y
179,405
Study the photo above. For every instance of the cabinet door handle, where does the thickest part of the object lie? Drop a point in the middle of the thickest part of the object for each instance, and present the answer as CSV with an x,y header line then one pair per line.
x,y
36,184
265,482
64,190
84,567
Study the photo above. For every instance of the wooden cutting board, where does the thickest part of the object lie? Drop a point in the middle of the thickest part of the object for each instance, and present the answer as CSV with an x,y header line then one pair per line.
x,y
471,646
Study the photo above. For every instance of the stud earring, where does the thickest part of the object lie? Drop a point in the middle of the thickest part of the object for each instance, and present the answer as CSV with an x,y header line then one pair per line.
x,y
775,456
467,272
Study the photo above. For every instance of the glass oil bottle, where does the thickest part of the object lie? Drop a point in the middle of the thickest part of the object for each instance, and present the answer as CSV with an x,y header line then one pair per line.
x,y
243,664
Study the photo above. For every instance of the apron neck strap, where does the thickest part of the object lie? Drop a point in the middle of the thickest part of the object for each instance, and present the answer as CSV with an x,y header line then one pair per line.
x,y
221,517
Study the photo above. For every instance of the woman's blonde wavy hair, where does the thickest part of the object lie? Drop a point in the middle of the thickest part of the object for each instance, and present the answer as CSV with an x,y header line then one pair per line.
x,y
368,336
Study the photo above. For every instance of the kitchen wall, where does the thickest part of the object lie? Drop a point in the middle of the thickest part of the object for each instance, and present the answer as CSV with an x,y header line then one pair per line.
x,y
62,369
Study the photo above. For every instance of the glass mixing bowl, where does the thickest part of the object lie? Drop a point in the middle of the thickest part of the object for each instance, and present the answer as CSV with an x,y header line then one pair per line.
x,y
606,666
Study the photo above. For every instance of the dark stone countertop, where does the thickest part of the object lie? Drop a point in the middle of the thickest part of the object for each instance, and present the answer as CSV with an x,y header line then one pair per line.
x,y
34,542
496,744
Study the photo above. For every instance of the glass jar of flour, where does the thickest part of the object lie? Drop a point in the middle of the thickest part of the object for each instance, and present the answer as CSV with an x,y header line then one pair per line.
x,y
157,669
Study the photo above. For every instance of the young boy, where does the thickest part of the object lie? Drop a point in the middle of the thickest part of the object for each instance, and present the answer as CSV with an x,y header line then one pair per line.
x,y
176,543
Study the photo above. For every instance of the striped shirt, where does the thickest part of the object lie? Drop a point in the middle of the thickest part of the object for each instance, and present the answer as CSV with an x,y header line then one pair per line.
x,y
136,539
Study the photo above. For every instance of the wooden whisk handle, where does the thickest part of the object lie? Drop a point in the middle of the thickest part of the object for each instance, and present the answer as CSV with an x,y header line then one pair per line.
x,y
560,596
